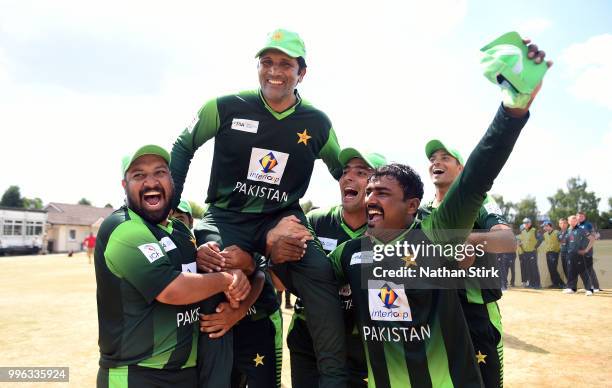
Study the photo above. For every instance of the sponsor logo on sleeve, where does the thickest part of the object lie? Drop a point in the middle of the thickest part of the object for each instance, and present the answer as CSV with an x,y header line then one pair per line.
x,y
167,244
366,257
190,267
267,166
152,251
245,125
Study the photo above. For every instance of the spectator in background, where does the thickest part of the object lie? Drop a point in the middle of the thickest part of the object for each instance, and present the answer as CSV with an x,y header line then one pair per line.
x,y
506,264
90,244
528,241
552,247
521,255
563,245
578,244
588,257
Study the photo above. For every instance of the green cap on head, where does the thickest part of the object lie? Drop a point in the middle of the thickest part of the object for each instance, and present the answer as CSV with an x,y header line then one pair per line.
x,y
286,41
149,149
185,207
434,145
372,159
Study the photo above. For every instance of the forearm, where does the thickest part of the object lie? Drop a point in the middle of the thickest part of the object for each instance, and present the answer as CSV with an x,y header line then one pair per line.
x,y
180,159
497,241
190,288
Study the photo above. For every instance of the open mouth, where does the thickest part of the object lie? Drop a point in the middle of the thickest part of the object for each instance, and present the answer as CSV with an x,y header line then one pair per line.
x,y
350,193
152,197
437,171
275,82
375,214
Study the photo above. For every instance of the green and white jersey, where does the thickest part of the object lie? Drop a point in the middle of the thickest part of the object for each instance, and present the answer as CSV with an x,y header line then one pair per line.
x,y
263,159
134,262
416,335
488,216
330,229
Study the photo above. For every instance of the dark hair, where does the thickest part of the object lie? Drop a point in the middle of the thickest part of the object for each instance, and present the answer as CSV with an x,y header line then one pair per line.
x,y
408,179
563,219
301,64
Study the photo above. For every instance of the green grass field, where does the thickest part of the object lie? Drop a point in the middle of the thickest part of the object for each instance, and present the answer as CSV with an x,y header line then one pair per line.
x,y
48,318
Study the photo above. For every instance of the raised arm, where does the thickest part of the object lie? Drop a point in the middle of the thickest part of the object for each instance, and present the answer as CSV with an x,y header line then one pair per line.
x,y
204,128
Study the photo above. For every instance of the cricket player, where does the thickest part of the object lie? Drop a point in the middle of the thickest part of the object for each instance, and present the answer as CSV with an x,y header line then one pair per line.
x,y
266,143
147,288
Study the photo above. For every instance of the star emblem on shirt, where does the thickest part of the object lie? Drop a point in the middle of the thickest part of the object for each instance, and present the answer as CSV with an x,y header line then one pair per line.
x,y
304,137
409,261
481,357
258,360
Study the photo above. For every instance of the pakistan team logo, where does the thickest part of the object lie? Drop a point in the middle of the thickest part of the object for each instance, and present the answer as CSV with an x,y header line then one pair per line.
x,y
388,296
268,162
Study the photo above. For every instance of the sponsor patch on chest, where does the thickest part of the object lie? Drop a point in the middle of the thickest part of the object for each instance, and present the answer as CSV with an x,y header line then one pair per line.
x,y
267,165
245,125
329,244
388,302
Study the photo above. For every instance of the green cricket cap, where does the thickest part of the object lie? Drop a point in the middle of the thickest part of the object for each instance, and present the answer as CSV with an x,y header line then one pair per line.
x,y
506,56
185,207
149,149
372,159
286,41
434,145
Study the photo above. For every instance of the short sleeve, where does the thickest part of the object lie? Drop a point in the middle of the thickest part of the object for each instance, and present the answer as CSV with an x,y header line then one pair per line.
x,y
133,254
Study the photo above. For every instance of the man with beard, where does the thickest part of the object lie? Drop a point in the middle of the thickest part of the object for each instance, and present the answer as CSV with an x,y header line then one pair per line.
x,y
266,143
332,227
478,299
147,288
413,328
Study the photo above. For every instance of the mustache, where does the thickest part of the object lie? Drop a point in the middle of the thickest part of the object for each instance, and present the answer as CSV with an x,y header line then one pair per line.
x,y
374,207
157,187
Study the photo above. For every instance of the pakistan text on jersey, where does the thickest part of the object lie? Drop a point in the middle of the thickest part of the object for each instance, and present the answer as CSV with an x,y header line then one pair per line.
x,y
261,192
188,317
396,334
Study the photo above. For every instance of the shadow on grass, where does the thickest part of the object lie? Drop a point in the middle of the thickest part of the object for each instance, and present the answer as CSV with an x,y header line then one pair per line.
x,y
516,343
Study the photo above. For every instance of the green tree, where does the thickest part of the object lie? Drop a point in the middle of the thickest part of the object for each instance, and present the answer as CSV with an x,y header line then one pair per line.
x,y
32,203
507,208
605,219
108,205
84,201
526,208
12,197
576,198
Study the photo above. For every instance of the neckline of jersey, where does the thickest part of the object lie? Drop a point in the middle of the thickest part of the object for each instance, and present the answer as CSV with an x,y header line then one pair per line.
x,y
352,233
285,113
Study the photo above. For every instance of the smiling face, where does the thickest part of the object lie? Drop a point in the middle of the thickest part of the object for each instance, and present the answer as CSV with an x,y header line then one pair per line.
x,y
387,209
353,184
443,168
279,74
149,188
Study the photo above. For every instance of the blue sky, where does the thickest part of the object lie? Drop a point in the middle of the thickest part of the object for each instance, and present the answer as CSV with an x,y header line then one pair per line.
x,y
83,83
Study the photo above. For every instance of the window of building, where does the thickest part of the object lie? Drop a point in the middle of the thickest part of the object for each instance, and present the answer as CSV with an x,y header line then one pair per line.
x,y
72,234
33,228
7,229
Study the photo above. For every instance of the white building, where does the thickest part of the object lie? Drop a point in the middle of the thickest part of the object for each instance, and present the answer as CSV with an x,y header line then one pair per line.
x,y
21,230
68,225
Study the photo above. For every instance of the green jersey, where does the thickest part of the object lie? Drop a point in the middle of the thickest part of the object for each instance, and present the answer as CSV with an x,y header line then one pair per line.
x,y
331,231
262,159
134,262
475,291
415,335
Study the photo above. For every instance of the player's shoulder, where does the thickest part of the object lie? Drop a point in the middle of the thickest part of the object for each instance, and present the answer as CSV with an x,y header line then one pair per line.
x,y
308,106
126,226
243,96
321,214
